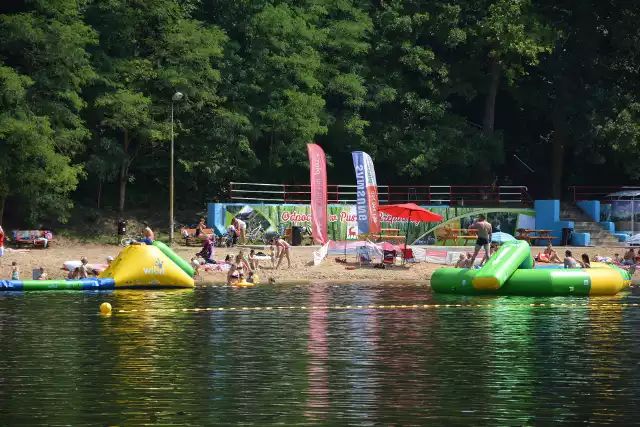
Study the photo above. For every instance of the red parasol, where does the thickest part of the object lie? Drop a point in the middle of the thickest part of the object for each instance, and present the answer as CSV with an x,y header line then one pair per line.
x,y
411,212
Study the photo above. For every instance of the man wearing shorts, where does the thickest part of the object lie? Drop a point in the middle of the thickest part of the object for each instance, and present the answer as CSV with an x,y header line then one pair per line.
x,y
484,238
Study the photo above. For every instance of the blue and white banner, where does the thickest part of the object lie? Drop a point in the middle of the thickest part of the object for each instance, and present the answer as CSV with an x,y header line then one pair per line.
x,y
366,193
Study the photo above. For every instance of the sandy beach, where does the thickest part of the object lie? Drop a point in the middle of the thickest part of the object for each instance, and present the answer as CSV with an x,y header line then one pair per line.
x,y
302,268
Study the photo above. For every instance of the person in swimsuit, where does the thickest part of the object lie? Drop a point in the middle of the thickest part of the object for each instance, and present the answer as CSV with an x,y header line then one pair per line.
x,y
462,261
236,273
551,254
15,271
485,232
283,249
200,227
586,263
241,228
570,261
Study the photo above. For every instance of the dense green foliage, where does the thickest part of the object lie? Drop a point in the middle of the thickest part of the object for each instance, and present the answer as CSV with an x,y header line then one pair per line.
x,y
436,91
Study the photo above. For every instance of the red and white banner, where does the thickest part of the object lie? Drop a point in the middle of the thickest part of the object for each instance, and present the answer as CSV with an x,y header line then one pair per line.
x,y
366,193
318,167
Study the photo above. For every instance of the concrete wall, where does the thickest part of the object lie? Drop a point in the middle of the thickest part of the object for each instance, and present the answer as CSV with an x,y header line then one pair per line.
x,y
548,218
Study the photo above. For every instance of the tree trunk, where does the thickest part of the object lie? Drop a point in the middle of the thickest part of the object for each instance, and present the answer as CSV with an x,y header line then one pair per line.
x,y
124,172
99,196
490,102
557,156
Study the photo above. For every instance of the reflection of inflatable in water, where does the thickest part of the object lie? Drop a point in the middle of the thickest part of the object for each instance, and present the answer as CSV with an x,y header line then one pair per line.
x,y
137,266
509,272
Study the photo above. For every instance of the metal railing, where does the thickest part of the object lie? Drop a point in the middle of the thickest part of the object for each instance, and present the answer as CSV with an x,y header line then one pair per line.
x,y
448,195
586,192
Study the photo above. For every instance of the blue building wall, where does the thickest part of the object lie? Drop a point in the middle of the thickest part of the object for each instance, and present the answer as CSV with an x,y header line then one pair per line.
x,y
548,218
591,208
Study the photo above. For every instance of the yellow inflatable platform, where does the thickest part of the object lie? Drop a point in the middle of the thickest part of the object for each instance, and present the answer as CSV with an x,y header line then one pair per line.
x,y
144,266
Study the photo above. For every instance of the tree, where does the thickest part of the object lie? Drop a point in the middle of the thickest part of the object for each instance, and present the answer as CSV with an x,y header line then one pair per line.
x,y
45,66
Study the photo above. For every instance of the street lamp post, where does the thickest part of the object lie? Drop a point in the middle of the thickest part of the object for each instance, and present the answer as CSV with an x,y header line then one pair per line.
x,y
176,97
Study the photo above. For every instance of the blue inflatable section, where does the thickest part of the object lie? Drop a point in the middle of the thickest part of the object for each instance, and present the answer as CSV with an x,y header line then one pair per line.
x,y
91,284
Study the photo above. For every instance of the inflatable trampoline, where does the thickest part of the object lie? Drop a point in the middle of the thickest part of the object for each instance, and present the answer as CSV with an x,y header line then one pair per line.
x,y
510,271
137,266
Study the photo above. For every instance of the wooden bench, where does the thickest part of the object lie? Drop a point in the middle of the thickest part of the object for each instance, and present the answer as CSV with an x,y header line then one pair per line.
x,y
32,238
189,235
529,237
384,238
390,231
456,234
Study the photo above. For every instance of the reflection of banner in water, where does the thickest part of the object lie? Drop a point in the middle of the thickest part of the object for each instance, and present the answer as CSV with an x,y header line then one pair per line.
x,y
318,170
319,356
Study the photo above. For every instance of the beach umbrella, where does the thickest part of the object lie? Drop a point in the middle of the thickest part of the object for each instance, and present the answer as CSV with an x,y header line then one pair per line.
x,y
411,212
501,237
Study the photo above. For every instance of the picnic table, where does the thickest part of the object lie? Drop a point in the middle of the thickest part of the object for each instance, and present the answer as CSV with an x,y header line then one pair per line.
x,y
456,234
531,236
390,231
35,238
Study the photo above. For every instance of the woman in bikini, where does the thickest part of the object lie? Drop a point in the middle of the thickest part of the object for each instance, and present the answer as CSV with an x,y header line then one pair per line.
x,y
236,273
283,247
200,227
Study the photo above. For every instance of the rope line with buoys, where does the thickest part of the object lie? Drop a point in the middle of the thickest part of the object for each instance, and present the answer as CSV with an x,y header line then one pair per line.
x,y
373,307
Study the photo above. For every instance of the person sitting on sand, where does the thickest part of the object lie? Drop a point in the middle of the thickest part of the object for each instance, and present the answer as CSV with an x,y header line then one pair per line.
x,y
629,257
236,272
551,254
43,275
586,263
109,260
283,249
570,261
617,259
462,261
207,251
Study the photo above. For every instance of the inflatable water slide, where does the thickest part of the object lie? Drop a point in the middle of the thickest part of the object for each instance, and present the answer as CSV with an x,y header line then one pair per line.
x,y
511,271
138,266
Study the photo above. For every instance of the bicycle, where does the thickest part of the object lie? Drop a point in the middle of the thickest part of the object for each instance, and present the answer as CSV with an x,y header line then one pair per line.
x,y
256,234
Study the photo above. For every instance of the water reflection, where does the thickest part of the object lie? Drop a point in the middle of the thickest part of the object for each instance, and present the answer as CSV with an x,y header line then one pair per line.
x,y
505,364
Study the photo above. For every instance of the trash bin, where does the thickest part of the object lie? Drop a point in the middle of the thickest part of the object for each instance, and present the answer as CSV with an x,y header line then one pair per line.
x,y
566,236
296,236
122,227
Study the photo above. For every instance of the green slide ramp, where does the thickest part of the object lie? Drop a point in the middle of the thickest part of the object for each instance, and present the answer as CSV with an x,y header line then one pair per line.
x,y
180,262
543,282
502,265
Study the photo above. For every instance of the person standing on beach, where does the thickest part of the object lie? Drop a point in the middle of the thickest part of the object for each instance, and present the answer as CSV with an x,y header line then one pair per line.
x,y
241,228
484,238
283,250
2,238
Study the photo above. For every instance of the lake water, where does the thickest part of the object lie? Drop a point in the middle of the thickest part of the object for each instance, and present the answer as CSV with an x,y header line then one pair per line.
x,y
503,362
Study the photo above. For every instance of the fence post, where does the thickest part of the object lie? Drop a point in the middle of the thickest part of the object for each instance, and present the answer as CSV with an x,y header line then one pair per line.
x,y
231,191
499,187
450,196
284,193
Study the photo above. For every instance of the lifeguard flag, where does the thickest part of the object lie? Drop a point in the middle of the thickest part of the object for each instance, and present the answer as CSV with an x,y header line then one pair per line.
x,y
319,217
366,193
